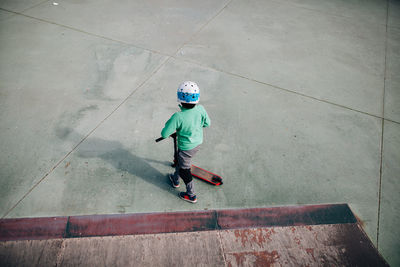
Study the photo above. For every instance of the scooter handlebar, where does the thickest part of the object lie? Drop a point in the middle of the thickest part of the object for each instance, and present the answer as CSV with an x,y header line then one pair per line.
x,y
162,138
159,139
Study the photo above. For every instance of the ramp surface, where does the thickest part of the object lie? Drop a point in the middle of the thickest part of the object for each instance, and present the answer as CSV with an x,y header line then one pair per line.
x,y
317,235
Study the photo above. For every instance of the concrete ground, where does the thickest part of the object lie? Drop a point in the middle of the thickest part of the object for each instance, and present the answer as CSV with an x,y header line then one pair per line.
x,y
303,98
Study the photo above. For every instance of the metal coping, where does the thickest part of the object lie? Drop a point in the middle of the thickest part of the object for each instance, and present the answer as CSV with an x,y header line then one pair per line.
x,y
172,222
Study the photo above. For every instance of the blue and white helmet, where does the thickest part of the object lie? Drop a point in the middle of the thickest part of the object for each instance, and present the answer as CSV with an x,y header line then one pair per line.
x,y
188,92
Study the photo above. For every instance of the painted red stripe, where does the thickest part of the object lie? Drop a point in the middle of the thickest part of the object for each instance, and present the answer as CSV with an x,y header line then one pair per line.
x,y
167,222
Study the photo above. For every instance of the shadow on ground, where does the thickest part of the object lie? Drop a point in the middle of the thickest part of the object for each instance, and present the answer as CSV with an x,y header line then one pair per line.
x,y
122,159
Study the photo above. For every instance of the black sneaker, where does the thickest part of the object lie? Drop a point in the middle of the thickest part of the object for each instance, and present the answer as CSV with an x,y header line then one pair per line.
x,y
188,198
174,185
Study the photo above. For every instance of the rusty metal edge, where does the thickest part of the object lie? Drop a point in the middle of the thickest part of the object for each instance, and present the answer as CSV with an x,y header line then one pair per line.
x,y
286,216
33,228
169,222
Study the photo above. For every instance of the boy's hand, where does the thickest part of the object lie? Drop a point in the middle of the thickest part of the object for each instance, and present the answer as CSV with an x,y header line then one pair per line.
x,y
162,138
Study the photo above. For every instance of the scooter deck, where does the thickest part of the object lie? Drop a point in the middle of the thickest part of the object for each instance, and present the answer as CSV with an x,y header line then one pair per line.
x,y
206,176
197,172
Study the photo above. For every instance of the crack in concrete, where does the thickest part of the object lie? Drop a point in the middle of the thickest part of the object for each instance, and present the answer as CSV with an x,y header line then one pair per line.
x,y
60,253
222,247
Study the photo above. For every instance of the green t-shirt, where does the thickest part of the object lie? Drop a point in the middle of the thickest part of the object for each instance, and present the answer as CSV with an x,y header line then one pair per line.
x,y
188,125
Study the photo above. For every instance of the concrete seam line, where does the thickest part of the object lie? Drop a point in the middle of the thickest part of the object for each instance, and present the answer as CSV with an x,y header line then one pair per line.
x,y
202,27
8,11
323,12
389,120
20,12
51,170
23,197
67,232
277,87
394,27
84,138
186,60
87,33
283,89
38,4
383,129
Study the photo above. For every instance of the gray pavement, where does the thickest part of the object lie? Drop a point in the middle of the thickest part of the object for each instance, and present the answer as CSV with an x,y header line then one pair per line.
x,y
303,98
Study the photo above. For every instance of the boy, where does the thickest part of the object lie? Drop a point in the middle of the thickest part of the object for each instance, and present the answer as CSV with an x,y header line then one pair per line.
x,y
188,125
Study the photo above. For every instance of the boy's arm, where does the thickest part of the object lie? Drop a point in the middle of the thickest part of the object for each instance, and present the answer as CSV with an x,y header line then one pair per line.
x,y
207,121
170,126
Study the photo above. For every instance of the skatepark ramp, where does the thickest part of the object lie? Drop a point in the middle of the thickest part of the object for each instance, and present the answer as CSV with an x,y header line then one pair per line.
x,y
311,235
